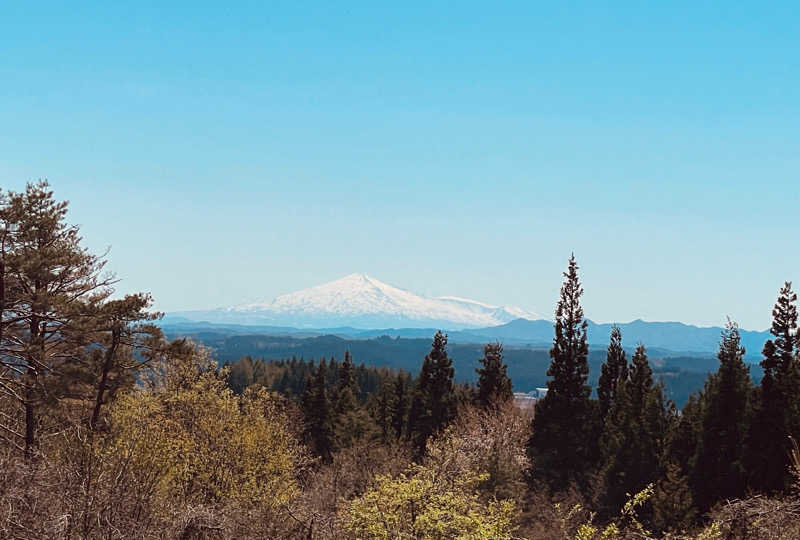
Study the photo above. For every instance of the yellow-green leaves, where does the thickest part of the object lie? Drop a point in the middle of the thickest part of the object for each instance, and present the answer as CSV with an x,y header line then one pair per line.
x,y
198,442
420,505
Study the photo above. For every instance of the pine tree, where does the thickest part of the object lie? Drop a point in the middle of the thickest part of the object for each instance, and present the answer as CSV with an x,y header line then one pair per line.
x,y
53,306
614,370
434,405
124,340
318,413
777,415
559,447
720,471
494,386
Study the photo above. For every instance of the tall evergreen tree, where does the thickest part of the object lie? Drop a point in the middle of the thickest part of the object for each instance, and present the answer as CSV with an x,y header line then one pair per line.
x,y
777,418
634,435
720,471
346,387
351,421
399,404
383,411
559,447
434,402
494,386
318,413
614,370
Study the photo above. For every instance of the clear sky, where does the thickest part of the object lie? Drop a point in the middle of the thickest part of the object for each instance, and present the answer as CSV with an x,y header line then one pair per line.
x,y
234,151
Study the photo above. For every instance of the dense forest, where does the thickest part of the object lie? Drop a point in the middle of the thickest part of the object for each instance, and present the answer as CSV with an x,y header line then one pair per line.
x,y
108,429
527,368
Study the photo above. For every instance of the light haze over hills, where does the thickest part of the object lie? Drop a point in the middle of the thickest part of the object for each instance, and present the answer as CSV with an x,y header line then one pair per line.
x,y
362,307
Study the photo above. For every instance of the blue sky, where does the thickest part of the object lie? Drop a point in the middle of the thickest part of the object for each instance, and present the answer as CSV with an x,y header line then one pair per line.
x,y
228,153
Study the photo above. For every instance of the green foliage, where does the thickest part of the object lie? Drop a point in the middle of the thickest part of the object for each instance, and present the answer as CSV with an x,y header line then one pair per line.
x,y
424,505
351,421
65,348
635,434
288,376
319,414
572,524
614,370
777,415
346,386
400,403
719,467
685,432
196,442
559,448
626,525
673,506
114,416
434,403
494,386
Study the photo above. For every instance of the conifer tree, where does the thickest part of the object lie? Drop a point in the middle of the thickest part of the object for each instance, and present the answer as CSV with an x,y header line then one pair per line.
x,y
51,295
777,416
383,411
440,395
673,506
318,413
494,386
241,374
124,340
351,421
720,471
434,405
635,434
614,370
399,405
684,435
333,381
559,447
346,387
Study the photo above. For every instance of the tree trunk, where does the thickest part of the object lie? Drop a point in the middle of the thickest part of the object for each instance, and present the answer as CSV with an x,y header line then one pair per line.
x,y
30,426
101,388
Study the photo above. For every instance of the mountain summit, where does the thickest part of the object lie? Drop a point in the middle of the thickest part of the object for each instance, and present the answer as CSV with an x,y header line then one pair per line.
x,y
361,301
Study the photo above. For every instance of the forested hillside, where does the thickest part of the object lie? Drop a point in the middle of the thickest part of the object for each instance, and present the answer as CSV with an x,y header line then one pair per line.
x,y
527,367
110,429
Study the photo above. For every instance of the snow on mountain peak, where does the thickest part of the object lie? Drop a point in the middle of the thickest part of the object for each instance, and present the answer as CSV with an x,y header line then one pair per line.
x,y
362,301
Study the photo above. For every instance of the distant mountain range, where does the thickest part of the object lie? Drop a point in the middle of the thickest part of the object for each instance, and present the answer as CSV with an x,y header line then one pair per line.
x,y
661,338
360,301
361,307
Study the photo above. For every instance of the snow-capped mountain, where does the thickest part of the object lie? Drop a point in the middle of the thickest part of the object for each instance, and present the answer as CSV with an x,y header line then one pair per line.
x,y
361,301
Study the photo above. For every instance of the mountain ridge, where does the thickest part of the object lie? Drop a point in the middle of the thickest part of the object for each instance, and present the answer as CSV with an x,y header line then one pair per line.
x,y
361,301
658,337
